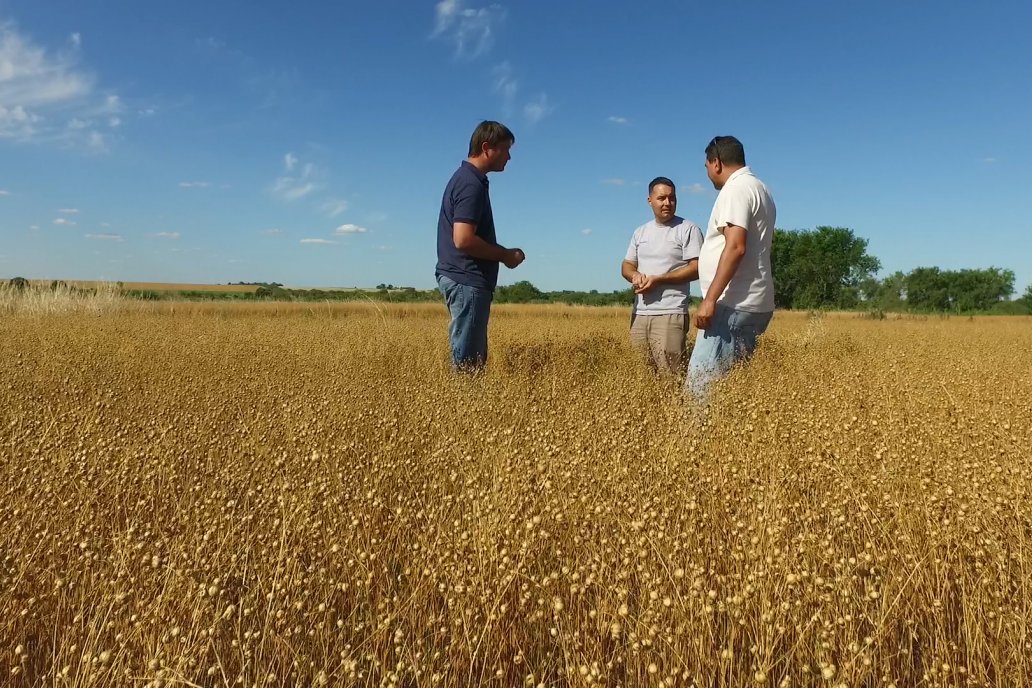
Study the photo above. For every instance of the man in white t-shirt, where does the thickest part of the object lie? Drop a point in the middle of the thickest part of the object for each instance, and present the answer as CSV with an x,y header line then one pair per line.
x,y
661,261
734,268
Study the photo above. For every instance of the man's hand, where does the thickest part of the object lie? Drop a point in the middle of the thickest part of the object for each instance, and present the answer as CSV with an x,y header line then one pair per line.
x,y
704,316
646,283
514,258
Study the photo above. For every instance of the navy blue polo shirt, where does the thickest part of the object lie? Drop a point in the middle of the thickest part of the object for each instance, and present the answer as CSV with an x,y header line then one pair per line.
x,y
466,200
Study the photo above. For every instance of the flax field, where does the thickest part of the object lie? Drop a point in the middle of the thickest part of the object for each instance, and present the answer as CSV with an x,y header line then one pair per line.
x,y
285,495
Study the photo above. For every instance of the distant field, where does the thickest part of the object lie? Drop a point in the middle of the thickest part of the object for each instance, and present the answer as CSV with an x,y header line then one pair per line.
x,y
161,286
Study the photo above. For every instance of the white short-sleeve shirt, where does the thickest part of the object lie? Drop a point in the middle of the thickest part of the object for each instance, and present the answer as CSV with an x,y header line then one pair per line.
x,y
744,201
658,249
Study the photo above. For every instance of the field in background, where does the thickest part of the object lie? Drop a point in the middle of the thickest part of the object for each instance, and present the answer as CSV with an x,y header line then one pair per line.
x,y
301,494
155,286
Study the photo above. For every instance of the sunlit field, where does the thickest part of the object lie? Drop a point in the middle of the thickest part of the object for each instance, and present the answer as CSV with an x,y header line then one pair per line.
x,y
277,494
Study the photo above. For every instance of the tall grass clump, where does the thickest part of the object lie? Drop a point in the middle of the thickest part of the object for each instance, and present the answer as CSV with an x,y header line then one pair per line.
x,y
37,299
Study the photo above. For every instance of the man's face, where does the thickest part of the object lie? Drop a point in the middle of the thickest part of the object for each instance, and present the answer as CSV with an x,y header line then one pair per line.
x,y
714,170
497,157
663,200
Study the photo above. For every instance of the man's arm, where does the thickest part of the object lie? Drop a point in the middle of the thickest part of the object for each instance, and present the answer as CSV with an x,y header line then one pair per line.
x,y
685,273
629,270
730,257
464,235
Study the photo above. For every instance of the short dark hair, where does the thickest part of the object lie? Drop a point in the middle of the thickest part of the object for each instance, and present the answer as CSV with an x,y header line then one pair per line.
x,y
661,180
726,149
491,133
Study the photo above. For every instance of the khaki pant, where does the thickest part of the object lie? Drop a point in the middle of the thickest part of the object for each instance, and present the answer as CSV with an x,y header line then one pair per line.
x,y
664,337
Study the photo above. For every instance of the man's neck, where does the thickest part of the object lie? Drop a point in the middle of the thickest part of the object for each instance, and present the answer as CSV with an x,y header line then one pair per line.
x,y
479,162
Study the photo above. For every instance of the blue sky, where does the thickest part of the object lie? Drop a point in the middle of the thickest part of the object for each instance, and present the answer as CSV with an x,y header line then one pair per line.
x,y
309,143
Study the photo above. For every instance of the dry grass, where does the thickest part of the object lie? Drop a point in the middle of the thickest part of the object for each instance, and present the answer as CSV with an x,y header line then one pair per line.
x,y
292,495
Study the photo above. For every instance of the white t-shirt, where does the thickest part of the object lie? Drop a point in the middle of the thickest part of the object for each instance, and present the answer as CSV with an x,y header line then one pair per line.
x,y
658,249
744,201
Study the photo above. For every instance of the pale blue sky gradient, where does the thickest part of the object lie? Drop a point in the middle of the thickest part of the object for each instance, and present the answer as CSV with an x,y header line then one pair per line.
x,y
309,143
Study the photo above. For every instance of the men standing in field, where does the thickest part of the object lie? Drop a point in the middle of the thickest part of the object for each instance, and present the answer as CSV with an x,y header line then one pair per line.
x,y
734,268
467,252
662,259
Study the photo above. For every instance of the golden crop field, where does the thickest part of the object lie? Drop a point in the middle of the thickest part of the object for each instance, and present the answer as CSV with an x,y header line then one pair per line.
x,y
281,495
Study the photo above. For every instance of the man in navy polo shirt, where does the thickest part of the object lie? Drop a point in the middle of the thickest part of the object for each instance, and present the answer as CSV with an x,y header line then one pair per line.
x,y
467,251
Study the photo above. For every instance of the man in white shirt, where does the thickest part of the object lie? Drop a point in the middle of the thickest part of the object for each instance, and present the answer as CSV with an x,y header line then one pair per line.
x,y
734,268
661,260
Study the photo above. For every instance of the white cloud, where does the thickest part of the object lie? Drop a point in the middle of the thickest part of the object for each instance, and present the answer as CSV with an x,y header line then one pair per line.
x,y
147,112
505,85
114,122
349,229
614,182
96,141
376,216
271,232
586,231
68,211
63,221
34,227
537,109
321,242
4,192
696,189
38,88
172,236
104,236
989,161
298,183
194,185
472,31
618,120
76,40
334,207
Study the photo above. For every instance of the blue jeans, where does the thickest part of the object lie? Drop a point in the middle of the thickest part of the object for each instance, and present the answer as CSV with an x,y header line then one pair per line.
x,y
470,308
731,337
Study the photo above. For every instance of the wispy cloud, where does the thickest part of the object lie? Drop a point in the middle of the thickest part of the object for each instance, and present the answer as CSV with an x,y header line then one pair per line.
x,y
349,229
618,120
194,185
104,236
46,96
68,211
505,85
172,236
696,189
334,207
537,109
76,40
321,242
470,30
614,182
586,231
63,221
989,160
4,192
272,231
298,182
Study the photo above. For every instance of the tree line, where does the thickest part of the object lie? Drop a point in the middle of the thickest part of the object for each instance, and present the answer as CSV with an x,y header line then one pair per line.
x,y
830,268
822,268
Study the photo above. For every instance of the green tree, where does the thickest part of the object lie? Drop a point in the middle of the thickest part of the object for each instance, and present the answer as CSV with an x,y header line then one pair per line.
x,y
927,289
1026,299
978,290
521,292
822,268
